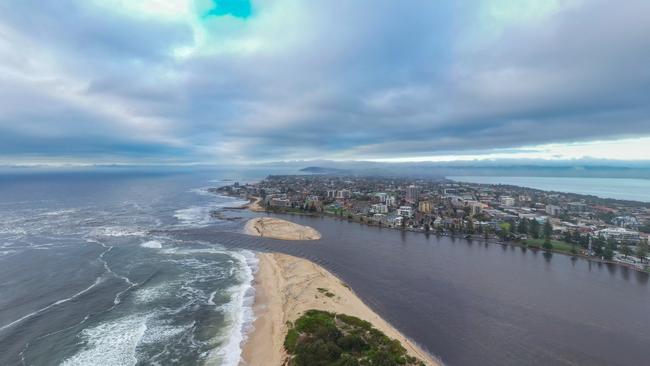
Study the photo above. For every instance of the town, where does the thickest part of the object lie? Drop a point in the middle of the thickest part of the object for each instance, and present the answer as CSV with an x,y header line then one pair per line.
x,y
589,226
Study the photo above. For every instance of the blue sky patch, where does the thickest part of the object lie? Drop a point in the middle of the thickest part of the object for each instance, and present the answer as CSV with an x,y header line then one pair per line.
x,y
236,8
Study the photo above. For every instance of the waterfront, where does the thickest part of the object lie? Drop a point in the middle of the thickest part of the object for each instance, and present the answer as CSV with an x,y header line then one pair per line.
x,y
616,188
472,303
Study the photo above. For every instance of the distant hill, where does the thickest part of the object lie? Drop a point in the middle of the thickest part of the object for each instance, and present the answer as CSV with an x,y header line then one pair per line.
x,y
323,170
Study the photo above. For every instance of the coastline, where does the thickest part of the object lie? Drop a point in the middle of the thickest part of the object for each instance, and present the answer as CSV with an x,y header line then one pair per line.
x,y
275,228
286,287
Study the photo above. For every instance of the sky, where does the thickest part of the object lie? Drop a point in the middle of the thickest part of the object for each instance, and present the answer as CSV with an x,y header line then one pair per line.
x,y
248,81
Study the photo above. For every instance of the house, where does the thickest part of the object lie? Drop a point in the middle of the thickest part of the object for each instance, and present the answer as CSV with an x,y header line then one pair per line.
x,y
405,211
379,208
553,210
507,201
619,234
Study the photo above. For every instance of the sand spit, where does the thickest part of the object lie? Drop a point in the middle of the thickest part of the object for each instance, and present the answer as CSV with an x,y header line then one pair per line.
x,y
287,287
271,227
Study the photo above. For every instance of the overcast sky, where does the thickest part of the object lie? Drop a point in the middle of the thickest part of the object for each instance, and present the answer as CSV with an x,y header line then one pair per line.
x,y
182,81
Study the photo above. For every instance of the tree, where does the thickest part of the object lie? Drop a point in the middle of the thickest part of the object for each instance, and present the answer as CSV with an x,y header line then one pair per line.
x,y
548,230
625,250
504,231
470,227
608,253
642,251
547,245
523,226
534,229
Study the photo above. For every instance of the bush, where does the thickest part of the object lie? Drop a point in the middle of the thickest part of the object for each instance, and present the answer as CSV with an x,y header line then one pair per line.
x,y
320,338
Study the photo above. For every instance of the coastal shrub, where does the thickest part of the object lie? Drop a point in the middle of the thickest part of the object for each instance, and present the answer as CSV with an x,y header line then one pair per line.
x,y
290,340
321,338
354,321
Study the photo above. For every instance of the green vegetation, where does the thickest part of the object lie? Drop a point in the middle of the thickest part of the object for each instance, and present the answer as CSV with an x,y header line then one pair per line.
x,y
321,338
558,245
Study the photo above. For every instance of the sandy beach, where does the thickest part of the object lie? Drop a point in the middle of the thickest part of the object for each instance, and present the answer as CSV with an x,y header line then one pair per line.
x,y
286,287
270,227
255,205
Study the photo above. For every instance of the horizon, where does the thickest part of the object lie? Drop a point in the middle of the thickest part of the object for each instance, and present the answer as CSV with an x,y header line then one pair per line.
x,y
210,82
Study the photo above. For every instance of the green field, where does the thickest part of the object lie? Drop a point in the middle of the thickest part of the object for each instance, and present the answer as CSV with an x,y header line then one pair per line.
x,y
558,245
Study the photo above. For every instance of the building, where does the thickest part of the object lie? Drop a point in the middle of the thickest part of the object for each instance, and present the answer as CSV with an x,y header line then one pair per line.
x,y
629,222
379,208
507,201
576,207
343,194
379,218
412,193
553,210
424,207
475,207
405,211
382,197
619,234
280,202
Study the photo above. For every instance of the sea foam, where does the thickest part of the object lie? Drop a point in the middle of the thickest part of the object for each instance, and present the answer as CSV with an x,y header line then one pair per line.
x,y
238,312
152,244
111,343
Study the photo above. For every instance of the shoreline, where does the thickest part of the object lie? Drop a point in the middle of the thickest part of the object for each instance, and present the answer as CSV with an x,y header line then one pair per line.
x,y
286,287
474,237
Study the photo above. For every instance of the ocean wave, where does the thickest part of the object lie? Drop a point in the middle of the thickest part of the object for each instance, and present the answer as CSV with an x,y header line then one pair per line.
x,y
148,295
59,212
111,343
118,231
152,244
199,216
238,312
98,280
194,216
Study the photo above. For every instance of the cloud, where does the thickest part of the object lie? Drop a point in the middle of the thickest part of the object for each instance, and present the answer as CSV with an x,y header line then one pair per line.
x,y
212,81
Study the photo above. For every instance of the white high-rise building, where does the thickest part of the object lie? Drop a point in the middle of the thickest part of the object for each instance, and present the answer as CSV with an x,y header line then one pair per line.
x,y
412,193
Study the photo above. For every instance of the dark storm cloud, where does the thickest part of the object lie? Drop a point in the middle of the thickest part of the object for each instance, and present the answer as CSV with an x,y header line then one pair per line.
x,y
334,79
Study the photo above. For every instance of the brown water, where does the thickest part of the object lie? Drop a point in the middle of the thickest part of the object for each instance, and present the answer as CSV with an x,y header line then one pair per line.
x,y
476,304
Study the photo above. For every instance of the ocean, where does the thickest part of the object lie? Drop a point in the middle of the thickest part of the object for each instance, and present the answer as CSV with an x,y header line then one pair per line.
x,y
85,281
616,188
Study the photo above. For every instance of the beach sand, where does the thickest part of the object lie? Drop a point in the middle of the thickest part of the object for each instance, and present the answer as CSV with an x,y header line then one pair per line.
x,y
286,287
270,227
255,205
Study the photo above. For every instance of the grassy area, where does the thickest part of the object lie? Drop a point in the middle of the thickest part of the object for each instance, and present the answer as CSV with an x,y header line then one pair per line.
x,y
321,338
558,245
